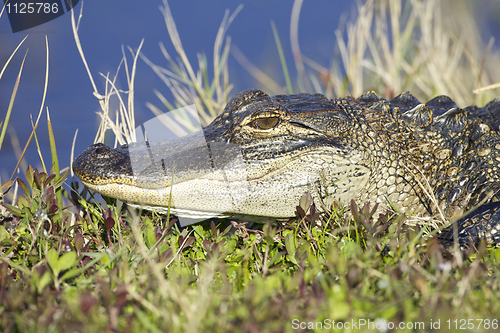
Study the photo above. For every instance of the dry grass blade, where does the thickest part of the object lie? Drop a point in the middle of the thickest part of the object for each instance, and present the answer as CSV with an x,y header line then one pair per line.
x,y
12,99
487,88
75,25
72,156
220,58
195,88
106,122
3,8
176,41
11,56
41,105
257,73
44,168
483,60
282,59
294,41
124,126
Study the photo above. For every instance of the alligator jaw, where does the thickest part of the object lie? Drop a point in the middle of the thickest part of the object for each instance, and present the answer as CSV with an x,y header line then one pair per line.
x,y
225,191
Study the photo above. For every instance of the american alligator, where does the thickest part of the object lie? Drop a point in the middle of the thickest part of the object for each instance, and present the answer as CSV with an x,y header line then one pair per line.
x,y
263,152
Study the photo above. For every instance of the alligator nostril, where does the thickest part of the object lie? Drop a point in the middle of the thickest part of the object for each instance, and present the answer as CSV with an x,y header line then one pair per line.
x,y
101,152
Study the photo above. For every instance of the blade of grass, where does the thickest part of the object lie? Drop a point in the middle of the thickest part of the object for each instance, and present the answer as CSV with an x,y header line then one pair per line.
x,y
72,154
220,57
294,42
11,103
38,147
55,160
176,41
282,59
26,146
483,60
489,87
11,56
75,26
258,74
3,8
189,86
41,106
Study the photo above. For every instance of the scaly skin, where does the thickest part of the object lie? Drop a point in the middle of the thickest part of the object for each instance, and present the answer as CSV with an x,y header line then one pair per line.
x,y
262,153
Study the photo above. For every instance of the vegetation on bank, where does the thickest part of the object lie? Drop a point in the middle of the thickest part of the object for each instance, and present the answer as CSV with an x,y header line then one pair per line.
x,y
69,263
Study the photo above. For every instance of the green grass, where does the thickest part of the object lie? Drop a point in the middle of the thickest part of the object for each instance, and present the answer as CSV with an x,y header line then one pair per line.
x,y
71,264
105,267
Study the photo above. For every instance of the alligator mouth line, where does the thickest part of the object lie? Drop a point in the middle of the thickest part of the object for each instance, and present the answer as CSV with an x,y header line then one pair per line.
x,y
158,199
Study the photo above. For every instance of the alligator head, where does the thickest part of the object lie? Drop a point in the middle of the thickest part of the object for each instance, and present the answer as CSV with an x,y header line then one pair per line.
x,y
263,152
257,158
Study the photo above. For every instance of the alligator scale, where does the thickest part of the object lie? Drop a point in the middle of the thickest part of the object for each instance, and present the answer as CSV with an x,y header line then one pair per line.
x,y
263,152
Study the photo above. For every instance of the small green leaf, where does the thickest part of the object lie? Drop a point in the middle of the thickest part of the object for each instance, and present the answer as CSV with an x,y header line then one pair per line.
x,y
3,233
23,202
495,254
13,209
7,243
150,237
48,180
351,248
7,185
61,179
290,248
78,240
53,261
71,273
67,260
44,281
29,175
229,246
23,187
276,257
290,244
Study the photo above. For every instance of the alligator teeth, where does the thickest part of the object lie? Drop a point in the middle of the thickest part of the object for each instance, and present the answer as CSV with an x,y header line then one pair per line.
x,y
99,188
160,192
146,191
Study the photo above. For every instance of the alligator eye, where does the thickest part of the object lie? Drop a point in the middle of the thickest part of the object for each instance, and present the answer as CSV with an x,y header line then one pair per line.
x,y
266,123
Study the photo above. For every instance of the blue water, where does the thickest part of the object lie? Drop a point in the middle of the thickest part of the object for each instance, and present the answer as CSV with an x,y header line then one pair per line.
x,y
107,25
